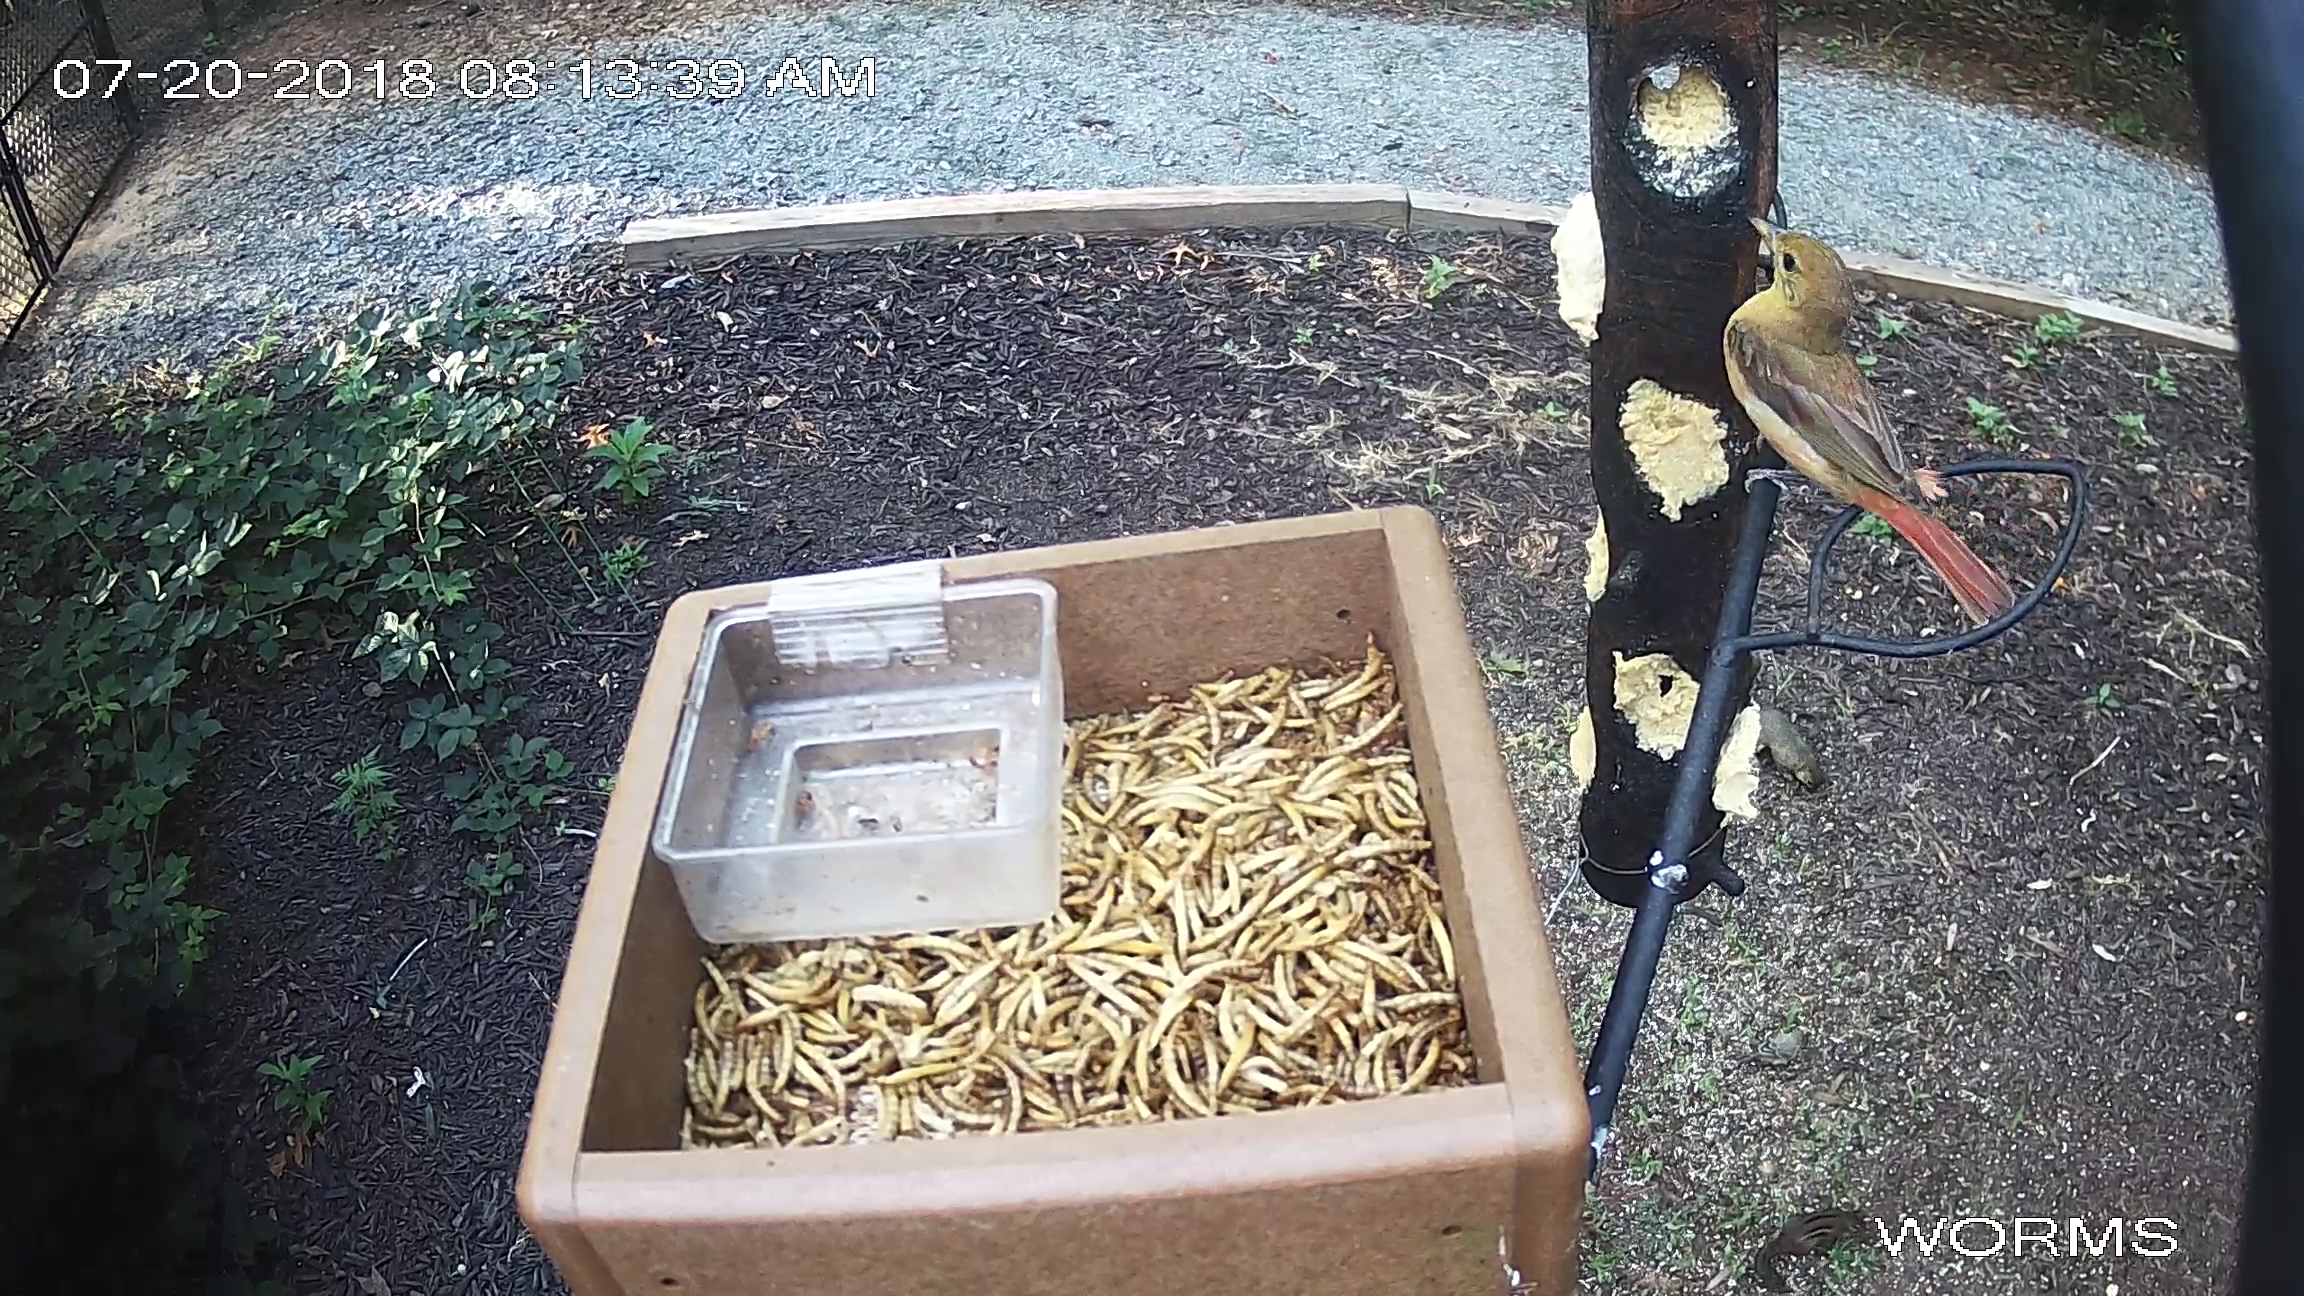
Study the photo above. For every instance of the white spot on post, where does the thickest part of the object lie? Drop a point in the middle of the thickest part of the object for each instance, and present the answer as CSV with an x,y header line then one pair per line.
x,y
1583,749
1583,266
1596,556
1737,776
1683,118
1658,698
1676,442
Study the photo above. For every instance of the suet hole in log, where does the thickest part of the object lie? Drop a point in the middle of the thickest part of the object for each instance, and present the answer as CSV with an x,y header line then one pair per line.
x,y
1659,699
1676,443
1683,131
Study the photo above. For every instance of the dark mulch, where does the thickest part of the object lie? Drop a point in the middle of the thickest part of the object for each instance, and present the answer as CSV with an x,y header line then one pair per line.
x,y
834,410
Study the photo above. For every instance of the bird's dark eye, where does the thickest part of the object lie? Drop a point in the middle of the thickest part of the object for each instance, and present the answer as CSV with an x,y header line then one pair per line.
x,y
1791,264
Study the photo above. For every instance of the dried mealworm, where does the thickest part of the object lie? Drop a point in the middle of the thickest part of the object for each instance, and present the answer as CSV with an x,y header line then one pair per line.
x,y
910,1005
1424,1068
694,1067
1408,1003
816,1071
1179,1088
723,1078
1170,1009
1250,919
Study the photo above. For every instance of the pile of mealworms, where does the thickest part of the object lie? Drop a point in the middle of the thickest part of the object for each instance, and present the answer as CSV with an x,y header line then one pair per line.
x,y
1250,920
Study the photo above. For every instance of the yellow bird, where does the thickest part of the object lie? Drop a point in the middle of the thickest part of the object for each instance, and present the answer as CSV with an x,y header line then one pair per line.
x,y
1792,372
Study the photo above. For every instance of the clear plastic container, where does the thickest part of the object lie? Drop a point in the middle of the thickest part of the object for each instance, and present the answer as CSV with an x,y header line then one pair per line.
x,y
879,754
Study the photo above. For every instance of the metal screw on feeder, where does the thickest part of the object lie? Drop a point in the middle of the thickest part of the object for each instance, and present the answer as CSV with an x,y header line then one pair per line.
x,y
1673,877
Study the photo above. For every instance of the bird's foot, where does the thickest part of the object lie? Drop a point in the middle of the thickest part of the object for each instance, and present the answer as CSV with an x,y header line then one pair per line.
x,y
1930,482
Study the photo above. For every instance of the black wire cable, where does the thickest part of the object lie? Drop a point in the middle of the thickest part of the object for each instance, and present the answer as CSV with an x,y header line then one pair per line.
x,y
1814,635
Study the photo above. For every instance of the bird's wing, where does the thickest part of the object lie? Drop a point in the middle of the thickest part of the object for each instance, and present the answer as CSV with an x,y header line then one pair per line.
x,y
1828,401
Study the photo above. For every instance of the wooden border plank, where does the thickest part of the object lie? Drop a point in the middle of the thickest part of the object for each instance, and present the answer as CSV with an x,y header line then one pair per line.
x,y
1471,212
1929,283
659,241
987,215
1910,279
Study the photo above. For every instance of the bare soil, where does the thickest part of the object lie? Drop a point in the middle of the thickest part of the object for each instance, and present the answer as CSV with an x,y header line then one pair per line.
x,y
1998,966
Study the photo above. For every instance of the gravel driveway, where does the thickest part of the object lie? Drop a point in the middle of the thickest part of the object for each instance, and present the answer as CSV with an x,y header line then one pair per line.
x,y
231,210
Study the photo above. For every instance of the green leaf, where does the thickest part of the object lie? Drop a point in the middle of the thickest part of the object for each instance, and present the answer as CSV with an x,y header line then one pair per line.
x,y
284,499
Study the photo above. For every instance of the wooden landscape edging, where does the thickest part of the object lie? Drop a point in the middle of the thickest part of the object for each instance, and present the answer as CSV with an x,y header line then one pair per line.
x,y
990,215
668,239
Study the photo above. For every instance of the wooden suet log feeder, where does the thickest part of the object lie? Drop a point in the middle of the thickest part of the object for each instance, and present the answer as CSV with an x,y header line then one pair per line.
x,y
1683,111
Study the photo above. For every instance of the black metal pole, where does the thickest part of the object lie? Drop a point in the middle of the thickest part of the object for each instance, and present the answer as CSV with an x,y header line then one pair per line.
x,y
1670,880
1679,867
1708,728
18,199
99,29
2248,78
100,40
1627,1003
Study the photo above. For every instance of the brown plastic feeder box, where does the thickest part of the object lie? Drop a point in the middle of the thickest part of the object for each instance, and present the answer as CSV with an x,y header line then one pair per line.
x,y
1410,1195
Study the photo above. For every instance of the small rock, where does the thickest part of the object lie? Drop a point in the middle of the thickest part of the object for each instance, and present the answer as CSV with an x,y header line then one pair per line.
x,y
371,690
1788,749
1787,1046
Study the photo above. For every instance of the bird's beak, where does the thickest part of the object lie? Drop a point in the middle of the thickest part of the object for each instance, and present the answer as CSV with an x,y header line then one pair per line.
x,y
1768,244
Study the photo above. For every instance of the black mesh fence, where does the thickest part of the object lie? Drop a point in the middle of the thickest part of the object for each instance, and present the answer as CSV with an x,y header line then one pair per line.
x,y
21,276
59,141
66,147
66,120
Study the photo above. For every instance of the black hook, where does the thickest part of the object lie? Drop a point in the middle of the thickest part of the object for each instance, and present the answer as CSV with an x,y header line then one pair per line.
x,y
1814,635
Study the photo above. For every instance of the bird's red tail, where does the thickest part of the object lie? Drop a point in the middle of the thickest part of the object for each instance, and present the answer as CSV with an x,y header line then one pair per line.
x,y
1983,595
